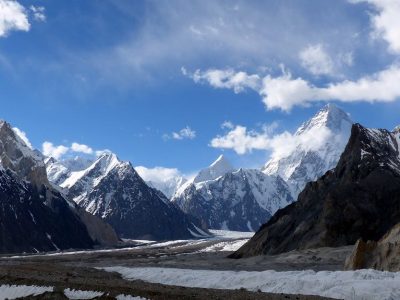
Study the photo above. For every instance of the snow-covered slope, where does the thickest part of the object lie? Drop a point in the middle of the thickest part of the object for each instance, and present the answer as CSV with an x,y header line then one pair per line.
x,y
319,142
113,190
56,171
218,168
239,200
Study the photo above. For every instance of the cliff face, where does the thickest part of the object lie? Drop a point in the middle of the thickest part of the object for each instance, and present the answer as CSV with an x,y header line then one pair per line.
x,y
34,215
360,198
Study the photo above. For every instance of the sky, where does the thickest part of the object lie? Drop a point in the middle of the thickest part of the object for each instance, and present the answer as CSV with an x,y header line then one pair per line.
x,y
159,82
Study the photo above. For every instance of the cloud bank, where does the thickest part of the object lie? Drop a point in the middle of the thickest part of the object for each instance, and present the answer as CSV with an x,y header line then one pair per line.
x,y
158,174
58,151
243,141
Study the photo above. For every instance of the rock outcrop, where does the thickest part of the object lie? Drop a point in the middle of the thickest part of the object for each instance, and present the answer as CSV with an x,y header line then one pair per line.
x,y
382,255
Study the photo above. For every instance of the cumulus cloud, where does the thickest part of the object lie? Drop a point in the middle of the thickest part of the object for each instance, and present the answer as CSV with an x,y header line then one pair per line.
x,y
58,151
184,133
22,136
75,147
13,16
157,174
316,60
50,150
285,91
243,141
386,23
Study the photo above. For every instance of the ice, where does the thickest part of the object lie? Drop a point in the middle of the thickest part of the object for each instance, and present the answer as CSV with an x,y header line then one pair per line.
x,y
128,297
348,285
78,294
19,291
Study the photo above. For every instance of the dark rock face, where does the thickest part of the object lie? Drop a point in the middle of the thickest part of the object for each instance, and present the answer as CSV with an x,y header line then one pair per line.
x,y
27,224
113,191
34,215
360,198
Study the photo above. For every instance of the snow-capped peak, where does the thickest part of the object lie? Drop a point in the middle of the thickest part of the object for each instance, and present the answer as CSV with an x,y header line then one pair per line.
x,y
396,130
17,156
319,143
330,116
218,168
98,169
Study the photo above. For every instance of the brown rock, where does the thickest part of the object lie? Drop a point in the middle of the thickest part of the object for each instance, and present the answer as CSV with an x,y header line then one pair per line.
x,y
381,255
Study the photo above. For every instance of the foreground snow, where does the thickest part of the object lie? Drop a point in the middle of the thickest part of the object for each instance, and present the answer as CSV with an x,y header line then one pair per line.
x,y
352,285
19,291
78,294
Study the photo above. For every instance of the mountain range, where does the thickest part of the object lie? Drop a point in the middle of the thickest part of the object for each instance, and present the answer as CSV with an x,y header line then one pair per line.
x,y
113,191
94,201
244,199
224,198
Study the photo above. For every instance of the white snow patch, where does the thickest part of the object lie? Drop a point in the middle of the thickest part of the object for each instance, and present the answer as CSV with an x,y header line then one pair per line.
x,y
78,294
18,291
360,284
225,246
231,234
128,297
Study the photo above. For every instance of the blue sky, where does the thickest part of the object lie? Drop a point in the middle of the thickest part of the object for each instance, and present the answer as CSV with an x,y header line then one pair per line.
x,y
153,81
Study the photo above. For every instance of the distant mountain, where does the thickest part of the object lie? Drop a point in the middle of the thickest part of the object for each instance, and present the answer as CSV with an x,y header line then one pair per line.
x,y
358,199
34,216
218,168
59,171
112,190
319,143
223,198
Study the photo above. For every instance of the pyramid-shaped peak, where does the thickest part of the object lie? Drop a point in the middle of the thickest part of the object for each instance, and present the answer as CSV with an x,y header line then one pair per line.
x,y
221,160
107,159
219,167
329,116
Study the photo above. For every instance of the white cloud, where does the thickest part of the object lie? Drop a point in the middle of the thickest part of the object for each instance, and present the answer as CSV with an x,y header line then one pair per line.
x,y
75,147
228,79
38,13
386,22
13,16
227,124
49,149
284,92
243,141
184,133
316,60
58,151
22,136
157,174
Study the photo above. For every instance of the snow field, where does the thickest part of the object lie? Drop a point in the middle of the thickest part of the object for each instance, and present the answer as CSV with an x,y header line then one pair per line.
x,y
348,285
